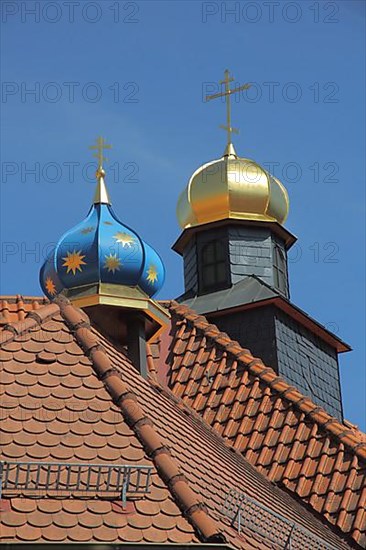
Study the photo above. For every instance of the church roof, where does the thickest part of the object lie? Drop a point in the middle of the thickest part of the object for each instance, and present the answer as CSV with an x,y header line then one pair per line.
x,y
286,436
71,395
253,291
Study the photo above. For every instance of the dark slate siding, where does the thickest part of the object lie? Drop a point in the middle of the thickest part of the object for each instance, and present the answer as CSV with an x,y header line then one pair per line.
x,y
254,330
250,253
308,363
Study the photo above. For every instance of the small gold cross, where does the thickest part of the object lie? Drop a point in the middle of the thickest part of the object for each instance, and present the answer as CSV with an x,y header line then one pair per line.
x,y
99,147
227,93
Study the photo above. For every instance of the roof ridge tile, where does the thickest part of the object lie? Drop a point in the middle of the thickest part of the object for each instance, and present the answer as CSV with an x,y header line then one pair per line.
x,y
134,415
32,320
43,312
305,404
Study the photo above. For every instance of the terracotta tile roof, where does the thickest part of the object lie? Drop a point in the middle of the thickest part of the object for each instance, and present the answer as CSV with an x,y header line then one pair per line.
x,y
15,308
281,432
69,394
55,409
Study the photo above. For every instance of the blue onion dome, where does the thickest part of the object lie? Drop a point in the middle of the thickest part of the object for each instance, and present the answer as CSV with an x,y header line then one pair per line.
x,y
101,249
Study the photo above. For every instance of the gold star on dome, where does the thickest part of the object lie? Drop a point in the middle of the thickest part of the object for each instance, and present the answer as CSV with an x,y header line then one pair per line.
x,y
124,238
152,274
112,263
74,261
87,230
50,286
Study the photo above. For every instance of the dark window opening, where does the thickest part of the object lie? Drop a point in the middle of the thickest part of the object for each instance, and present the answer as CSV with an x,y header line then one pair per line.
x,y
213,265
280,269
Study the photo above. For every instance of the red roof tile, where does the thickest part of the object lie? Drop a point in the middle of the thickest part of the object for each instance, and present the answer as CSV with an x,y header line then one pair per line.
x,y
15,308
113,415
66,415
277,429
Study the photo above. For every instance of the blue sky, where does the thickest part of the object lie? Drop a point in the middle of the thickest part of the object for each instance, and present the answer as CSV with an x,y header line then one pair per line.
x,y
136,72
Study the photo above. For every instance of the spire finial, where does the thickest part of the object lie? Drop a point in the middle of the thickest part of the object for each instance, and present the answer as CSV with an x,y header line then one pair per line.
x,y
101,194
227,93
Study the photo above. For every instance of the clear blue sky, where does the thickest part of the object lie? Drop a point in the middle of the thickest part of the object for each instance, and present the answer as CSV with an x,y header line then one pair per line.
x,y
136,72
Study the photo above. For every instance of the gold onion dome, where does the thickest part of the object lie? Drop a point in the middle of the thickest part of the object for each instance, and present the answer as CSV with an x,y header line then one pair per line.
x,y
232,187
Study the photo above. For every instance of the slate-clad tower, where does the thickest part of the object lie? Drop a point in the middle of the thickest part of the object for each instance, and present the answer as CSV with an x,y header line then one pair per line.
x,y
234,247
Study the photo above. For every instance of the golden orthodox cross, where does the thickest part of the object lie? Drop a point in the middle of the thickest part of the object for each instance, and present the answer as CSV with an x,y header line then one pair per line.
x,y
227,93
99,147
